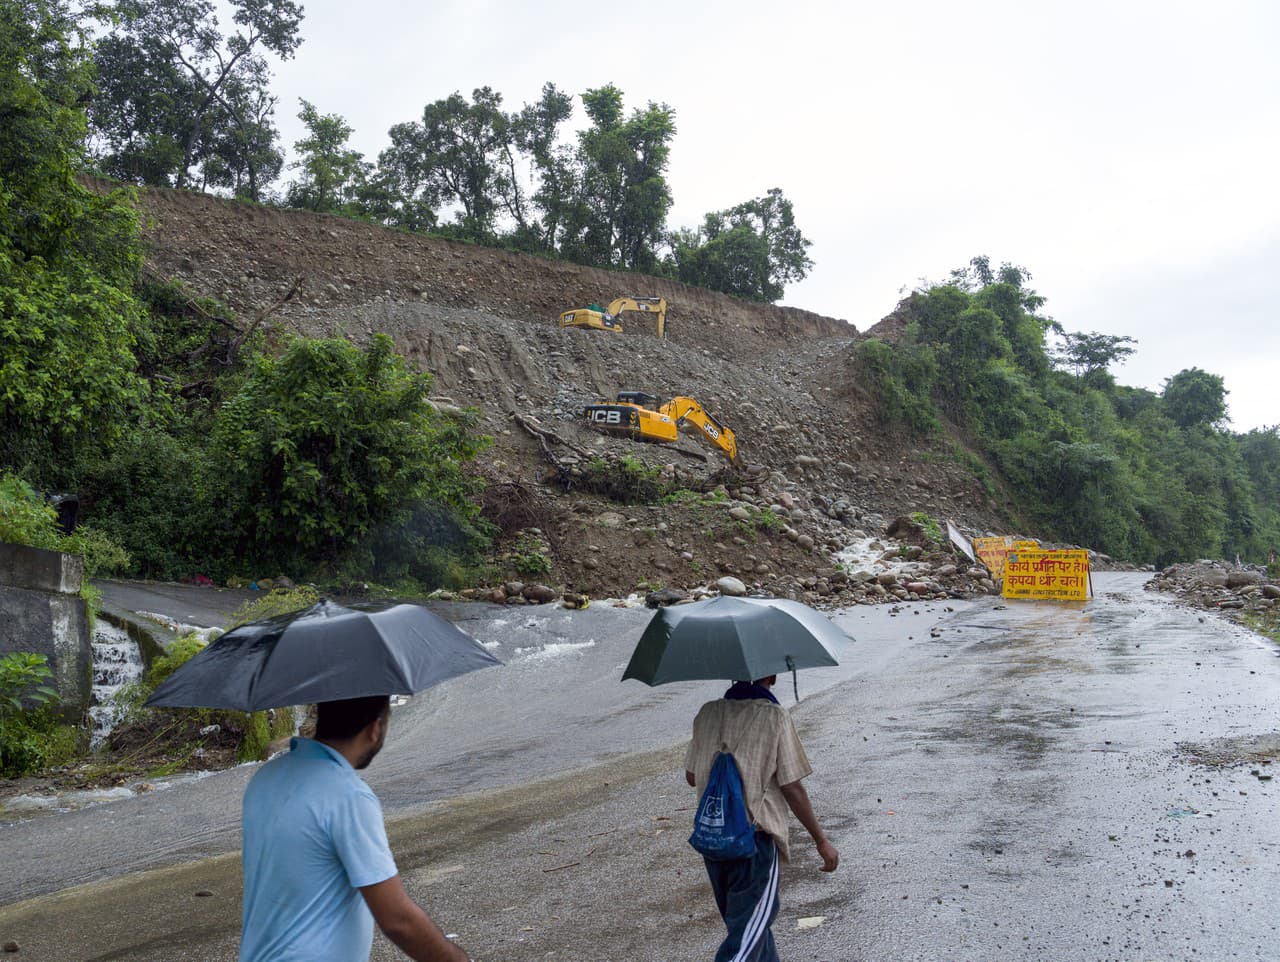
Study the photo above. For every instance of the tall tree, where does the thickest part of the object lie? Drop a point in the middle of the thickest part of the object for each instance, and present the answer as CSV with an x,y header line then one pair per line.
x,y
752,250
139,114
69,258
459,155
209,81
1089,356
536,132
331,173
619,214
1195,397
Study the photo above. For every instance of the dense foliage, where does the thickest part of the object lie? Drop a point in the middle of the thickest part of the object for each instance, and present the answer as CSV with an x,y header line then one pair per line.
x,y
68,257
324,446
31,733
181,103
198,443
1144,476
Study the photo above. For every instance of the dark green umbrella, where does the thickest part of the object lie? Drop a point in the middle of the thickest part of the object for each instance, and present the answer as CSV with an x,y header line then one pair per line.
x,y
733,639
326,652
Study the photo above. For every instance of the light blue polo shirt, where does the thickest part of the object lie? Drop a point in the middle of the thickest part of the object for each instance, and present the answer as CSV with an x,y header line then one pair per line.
x,y
313,836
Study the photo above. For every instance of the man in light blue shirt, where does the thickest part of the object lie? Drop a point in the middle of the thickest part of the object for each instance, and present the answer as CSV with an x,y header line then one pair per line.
x,y
318,871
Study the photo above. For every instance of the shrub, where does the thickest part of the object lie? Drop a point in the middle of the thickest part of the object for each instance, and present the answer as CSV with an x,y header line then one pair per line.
x,y
627,480
31,734
102,554
174,657
932,530
24,679
902,380
325,445
529,558
25,517
278,601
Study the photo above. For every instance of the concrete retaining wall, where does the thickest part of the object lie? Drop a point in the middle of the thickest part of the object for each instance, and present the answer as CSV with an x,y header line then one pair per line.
x,y
41,611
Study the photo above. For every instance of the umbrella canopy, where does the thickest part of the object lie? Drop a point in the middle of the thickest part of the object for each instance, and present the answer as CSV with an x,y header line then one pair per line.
x,y
732,639
324,653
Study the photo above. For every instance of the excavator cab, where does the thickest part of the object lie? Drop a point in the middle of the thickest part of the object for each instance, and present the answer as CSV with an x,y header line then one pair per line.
x,y
631,416
636,397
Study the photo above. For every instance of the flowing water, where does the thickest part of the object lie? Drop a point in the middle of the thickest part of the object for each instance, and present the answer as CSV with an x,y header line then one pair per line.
x,y
116,662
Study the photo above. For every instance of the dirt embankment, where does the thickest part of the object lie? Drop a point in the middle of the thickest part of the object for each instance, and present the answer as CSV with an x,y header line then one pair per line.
x,y
813,456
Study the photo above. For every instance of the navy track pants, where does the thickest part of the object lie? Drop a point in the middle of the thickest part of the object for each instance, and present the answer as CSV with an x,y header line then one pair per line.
x,y
746,891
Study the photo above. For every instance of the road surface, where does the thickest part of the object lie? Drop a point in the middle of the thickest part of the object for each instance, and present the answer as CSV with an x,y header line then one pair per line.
x,y
1005,782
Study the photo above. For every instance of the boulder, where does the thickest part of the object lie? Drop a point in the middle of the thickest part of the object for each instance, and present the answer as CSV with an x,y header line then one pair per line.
x,y
666,596
539,594
1241,579
729,585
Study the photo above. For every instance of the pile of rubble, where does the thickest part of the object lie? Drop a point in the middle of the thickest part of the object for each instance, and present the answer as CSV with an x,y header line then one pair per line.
x,y
1219,585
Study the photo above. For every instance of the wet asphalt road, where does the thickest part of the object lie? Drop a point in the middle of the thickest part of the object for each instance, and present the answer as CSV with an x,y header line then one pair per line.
x,y
1003,782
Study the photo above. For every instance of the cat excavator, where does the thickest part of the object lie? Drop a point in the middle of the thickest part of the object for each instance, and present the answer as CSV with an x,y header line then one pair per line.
x,y
631,416
606,319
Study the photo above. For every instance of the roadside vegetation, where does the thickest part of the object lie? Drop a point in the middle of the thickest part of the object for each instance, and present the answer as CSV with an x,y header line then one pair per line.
x,y
1140,475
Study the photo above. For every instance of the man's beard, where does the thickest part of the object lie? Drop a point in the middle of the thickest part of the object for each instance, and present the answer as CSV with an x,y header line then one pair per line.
x,y
369,756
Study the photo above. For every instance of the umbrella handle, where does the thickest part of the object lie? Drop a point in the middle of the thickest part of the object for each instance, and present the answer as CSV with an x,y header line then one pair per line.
x,y
795,685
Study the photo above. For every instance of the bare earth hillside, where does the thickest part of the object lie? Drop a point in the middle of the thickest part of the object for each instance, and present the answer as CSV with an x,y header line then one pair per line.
x,y
483,322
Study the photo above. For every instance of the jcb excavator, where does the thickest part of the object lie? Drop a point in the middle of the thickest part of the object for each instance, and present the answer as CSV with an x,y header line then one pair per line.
x,y
607,319
631,417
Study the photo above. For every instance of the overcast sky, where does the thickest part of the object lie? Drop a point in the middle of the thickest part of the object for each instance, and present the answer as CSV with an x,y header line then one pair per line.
x,y
1126,152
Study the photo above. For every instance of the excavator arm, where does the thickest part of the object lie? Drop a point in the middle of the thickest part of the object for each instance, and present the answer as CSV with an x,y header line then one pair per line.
x,y
682,409
646,305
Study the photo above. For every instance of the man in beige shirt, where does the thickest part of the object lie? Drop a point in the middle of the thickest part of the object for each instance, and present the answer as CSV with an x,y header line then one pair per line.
x,y
749,723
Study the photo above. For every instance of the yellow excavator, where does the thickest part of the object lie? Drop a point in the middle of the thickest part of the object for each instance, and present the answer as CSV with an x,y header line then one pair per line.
x,y
631,416
606,319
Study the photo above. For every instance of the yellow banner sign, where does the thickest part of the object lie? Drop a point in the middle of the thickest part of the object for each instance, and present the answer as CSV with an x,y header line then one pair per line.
x,y
991,552
1060,575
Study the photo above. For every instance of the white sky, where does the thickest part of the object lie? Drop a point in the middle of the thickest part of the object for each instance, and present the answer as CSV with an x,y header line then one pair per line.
x,y
1127,152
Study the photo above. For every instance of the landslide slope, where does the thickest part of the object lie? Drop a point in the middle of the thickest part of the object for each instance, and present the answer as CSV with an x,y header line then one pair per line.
x,y
482,321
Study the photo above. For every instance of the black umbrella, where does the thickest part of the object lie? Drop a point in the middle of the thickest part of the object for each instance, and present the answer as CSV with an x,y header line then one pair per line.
x,y
733,639
326,652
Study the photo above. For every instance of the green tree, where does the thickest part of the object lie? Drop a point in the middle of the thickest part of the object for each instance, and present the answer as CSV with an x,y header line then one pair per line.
x,y
752,250
536,132
1089,356
332,174
211,88
618,216
460,155
323,446
1195,397
138,116
68,258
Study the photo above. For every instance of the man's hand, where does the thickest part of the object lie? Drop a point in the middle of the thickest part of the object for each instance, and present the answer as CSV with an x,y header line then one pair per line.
x,y
830,857
798,801
405,924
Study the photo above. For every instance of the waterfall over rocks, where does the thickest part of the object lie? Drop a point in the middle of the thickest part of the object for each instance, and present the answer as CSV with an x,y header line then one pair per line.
x,y
116,663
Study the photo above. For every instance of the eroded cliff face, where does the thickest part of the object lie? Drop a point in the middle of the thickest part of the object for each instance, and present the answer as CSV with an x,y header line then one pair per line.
x,y
813,454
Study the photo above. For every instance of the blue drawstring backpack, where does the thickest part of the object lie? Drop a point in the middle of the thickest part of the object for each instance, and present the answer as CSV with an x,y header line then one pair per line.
x,y
721,828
